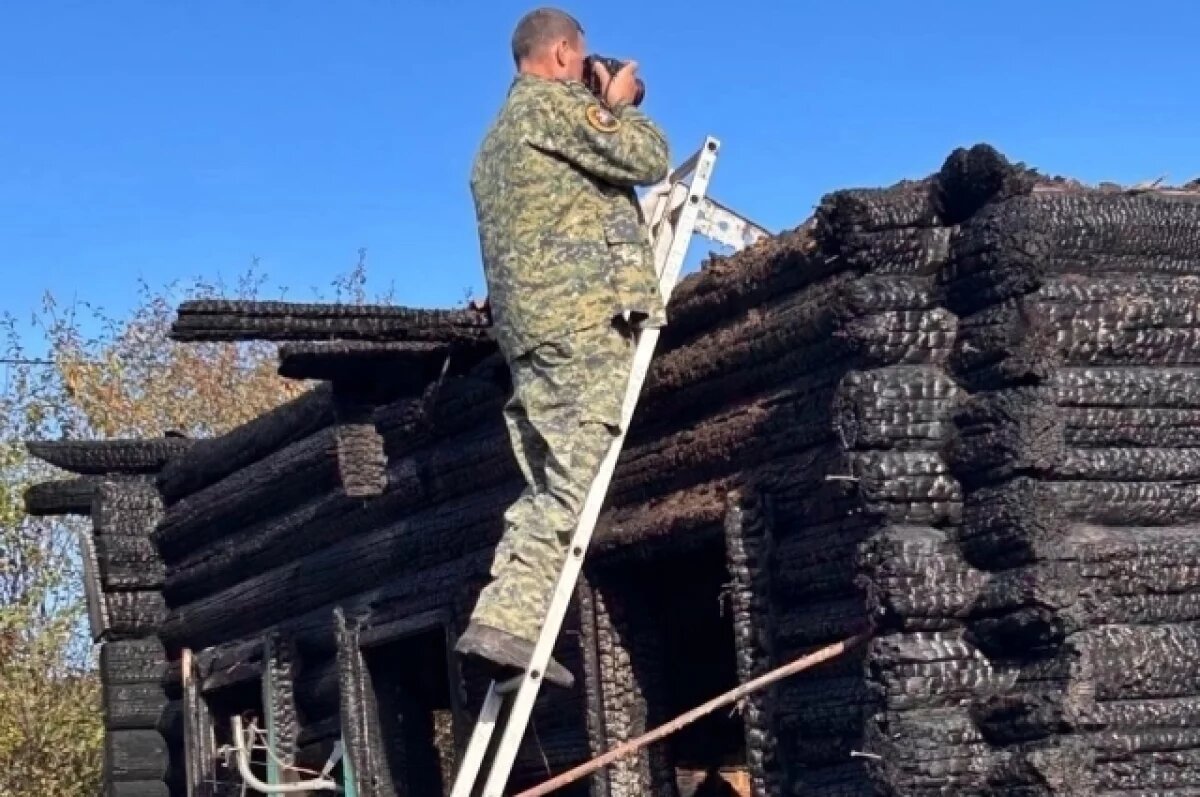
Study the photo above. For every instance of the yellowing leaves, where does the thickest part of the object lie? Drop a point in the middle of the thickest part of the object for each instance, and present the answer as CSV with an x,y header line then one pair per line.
x,y
92,375
135,381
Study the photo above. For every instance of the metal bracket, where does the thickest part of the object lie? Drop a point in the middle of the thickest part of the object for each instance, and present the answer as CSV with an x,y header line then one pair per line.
x,y
713,220
722,225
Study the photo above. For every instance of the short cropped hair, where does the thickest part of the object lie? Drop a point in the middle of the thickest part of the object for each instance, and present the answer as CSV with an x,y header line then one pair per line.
x,y
541,27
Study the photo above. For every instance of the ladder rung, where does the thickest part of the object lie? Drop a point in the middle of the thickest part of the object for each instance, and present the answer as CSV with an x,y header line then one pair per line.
x,y
511,685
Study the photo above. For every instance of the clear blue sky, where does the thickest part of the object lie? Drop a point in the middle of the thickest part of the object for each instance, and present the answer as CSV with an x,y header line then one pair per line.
x,y
167,139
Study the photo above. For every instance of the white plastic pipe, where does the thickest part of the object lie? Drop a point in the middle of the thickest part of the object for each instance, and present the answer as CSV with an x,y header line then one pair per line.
x,y
242,754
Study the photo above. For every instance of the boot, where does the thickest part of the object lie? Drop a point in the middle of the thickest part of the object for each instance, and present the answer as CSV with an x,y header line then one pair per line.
x,y
505,651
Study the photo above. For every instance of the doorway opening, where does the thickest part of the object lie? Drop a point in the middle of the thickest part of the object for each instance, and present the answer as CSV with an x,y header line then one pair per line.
x,y
412,712
677,623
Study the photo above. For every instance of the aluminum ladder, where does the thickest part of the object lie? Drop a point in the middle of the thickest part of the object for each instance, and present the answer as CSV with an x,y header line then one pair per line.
x,y
674,210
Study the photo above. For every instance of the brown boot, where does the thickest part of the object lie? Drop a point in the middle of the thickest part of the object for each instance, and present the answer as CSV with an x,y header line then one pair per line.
x,y
504,650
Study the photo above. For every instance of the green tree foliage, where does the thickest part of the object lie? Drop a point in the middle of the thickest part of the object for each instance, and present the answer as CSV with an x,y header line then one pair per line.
x,y
50,726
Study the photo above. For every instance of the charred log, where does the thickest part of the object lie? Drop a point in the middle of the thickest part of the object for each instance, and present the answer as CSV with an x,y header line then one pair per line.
x,y
135,614
732,286
217,320
424,540
398,368
137,755
128,562
210,460
972,178
749,546
133,661
430,478
361,460
904,205
98,457
63,497
137,706
305,467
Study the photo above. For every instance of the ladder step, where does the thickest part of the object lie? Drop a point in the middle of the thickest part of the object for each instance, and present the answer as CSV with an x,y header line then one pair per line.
x,y
511,685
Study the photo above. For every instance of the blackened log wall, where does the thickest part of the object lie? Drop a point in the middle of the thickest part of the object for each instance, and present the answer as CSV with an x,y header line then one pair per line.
x,y
140,692
277,542
963,410
142,701
1078,457
863,525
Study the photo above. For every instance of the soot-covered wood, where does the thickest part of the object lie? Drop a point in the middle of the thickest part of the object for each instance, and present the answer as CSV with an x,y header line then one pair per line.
x,y
972,403
1075,454
61,496
110,456
212,459
858,541
1035,448
140,697
749,540
219,320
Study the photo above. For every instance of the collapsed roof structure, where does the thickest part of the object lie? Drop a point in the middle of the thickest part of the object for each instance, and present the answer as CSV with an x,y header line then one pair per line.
x,y
963,410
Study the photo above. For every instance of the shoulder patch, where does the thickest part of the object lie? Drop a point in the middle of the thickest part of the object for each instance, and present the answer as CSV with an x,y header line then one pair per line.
x,y
602,119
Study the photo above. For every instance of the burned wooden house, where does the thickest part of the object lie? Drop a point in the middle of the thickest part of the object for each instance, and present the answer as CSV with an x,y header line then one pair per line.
x,y
963,412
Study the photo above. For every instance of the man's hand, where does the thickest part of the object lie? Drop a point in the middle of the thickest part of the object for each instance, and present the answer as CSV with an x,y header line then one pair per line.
x,y
619,89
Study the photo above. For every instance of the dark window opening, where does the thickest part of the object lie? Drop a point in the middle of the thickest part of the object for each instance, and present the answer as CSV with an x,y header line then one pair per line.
x,y
413,713
682,600
318,715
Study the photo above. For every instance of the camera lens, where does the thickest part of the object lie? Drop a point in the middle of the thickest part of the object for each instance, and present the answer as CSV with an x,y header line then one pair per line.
x,y
613,65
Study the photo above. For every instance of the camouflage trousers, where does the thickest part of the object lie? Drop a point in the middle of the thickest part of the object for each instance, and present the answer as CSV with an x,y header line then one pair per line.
x,y
563,416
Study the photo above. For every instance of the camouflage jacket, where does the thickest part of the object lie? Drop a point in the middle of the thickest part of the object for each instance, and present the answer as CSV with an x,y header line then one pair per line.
x,y
561,232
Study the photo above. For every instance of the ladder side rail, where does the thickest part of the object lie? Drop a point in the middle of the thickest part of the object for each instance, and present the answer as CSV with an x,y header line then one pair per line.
x,y
481,737
657,207
656,210
526,694
664,197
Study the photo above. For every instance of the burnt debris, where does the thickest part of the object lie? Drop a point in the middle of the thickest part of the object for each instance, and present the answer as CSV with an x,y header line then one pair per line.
x,y
963,410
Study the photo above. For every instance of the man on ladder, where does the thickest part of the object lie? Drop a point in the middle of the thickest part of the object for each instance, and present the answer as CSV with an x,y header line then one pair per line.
x,y
570,277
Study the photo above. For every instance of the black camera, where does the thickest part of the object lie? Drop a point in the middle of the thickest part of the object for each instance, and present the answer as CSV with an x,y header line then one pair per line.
x,y
613,65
